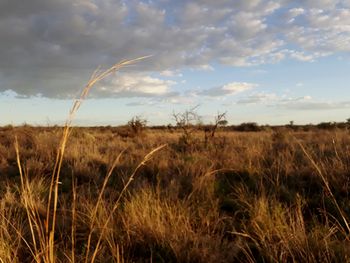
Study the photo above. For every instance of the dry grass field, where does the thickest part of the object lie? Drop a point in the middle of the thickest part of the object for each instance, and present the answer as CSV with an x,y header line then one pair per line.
x,y
226,137
190,193
270,196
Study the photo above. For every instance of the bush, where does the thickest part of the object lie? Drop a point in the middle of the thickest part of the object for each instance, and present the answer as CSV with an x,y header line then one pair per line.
x,y
248,127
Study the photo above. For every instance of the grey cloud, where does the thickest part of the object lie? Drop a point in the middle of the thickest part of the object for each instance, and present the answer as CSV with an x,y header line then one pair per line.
x,y
315,105
50,47
215,92
292,103
130,94
175,99
137,103
258,98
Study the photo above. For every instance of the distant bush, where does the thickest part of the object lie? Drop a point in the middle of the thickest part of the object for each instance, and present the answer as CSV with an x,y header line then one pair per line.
x,y
248,127
137,125
327,125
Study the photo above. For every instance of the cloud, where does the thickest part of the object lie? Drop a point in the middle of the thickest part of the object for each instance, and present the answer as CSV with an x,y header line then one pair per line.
x,y
170,73
227,89
167,73
135,85
294,12
322,28
301,56
204,67
175,99
307,103
258,98
51,47
292,103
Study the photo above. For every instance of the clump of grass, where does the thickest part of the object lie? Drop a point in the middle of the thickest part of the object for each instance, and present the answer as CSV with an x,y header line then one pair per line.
x,y
276,233
43,230
325,181
173,230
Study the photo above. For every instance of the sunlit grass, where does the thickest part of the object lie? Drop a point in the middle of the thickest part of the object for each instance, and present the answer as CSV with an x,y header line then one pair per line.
x,y
95,195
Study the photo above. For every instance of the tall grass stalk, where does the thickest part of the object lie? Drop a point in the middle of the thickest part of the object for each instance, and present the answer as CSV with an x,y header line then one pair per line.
x,y
116,204
99,199
74,210
328,189
26,198
46,231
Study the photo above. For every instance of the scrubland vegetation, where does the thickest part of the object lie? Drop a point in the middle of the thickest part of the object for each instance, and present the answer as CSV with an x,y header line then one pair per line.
x,y
269,196
189,193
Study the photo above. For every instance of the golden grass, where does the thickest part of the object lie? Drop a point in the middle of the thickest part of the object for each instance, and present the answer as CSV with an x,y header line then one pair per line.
x,y
271,196
245,196
327,186
43,237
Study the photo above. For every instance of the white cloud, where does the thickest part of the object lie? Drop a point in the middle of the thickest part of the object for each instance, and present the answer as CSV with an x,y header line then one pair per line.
x,y
228,89
170,73
296,12
135,85
205,67
167,73
321,30
301,56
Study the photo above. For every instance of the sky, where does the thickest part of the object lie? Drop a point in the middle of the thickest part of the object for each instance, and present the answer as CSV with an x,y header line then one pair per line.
x,y
263,61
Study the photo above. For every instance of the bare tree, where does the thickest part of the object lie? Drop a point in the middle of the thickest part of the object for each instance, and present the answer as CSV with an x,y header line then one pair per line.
x,y
209,131
137,125
187,121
